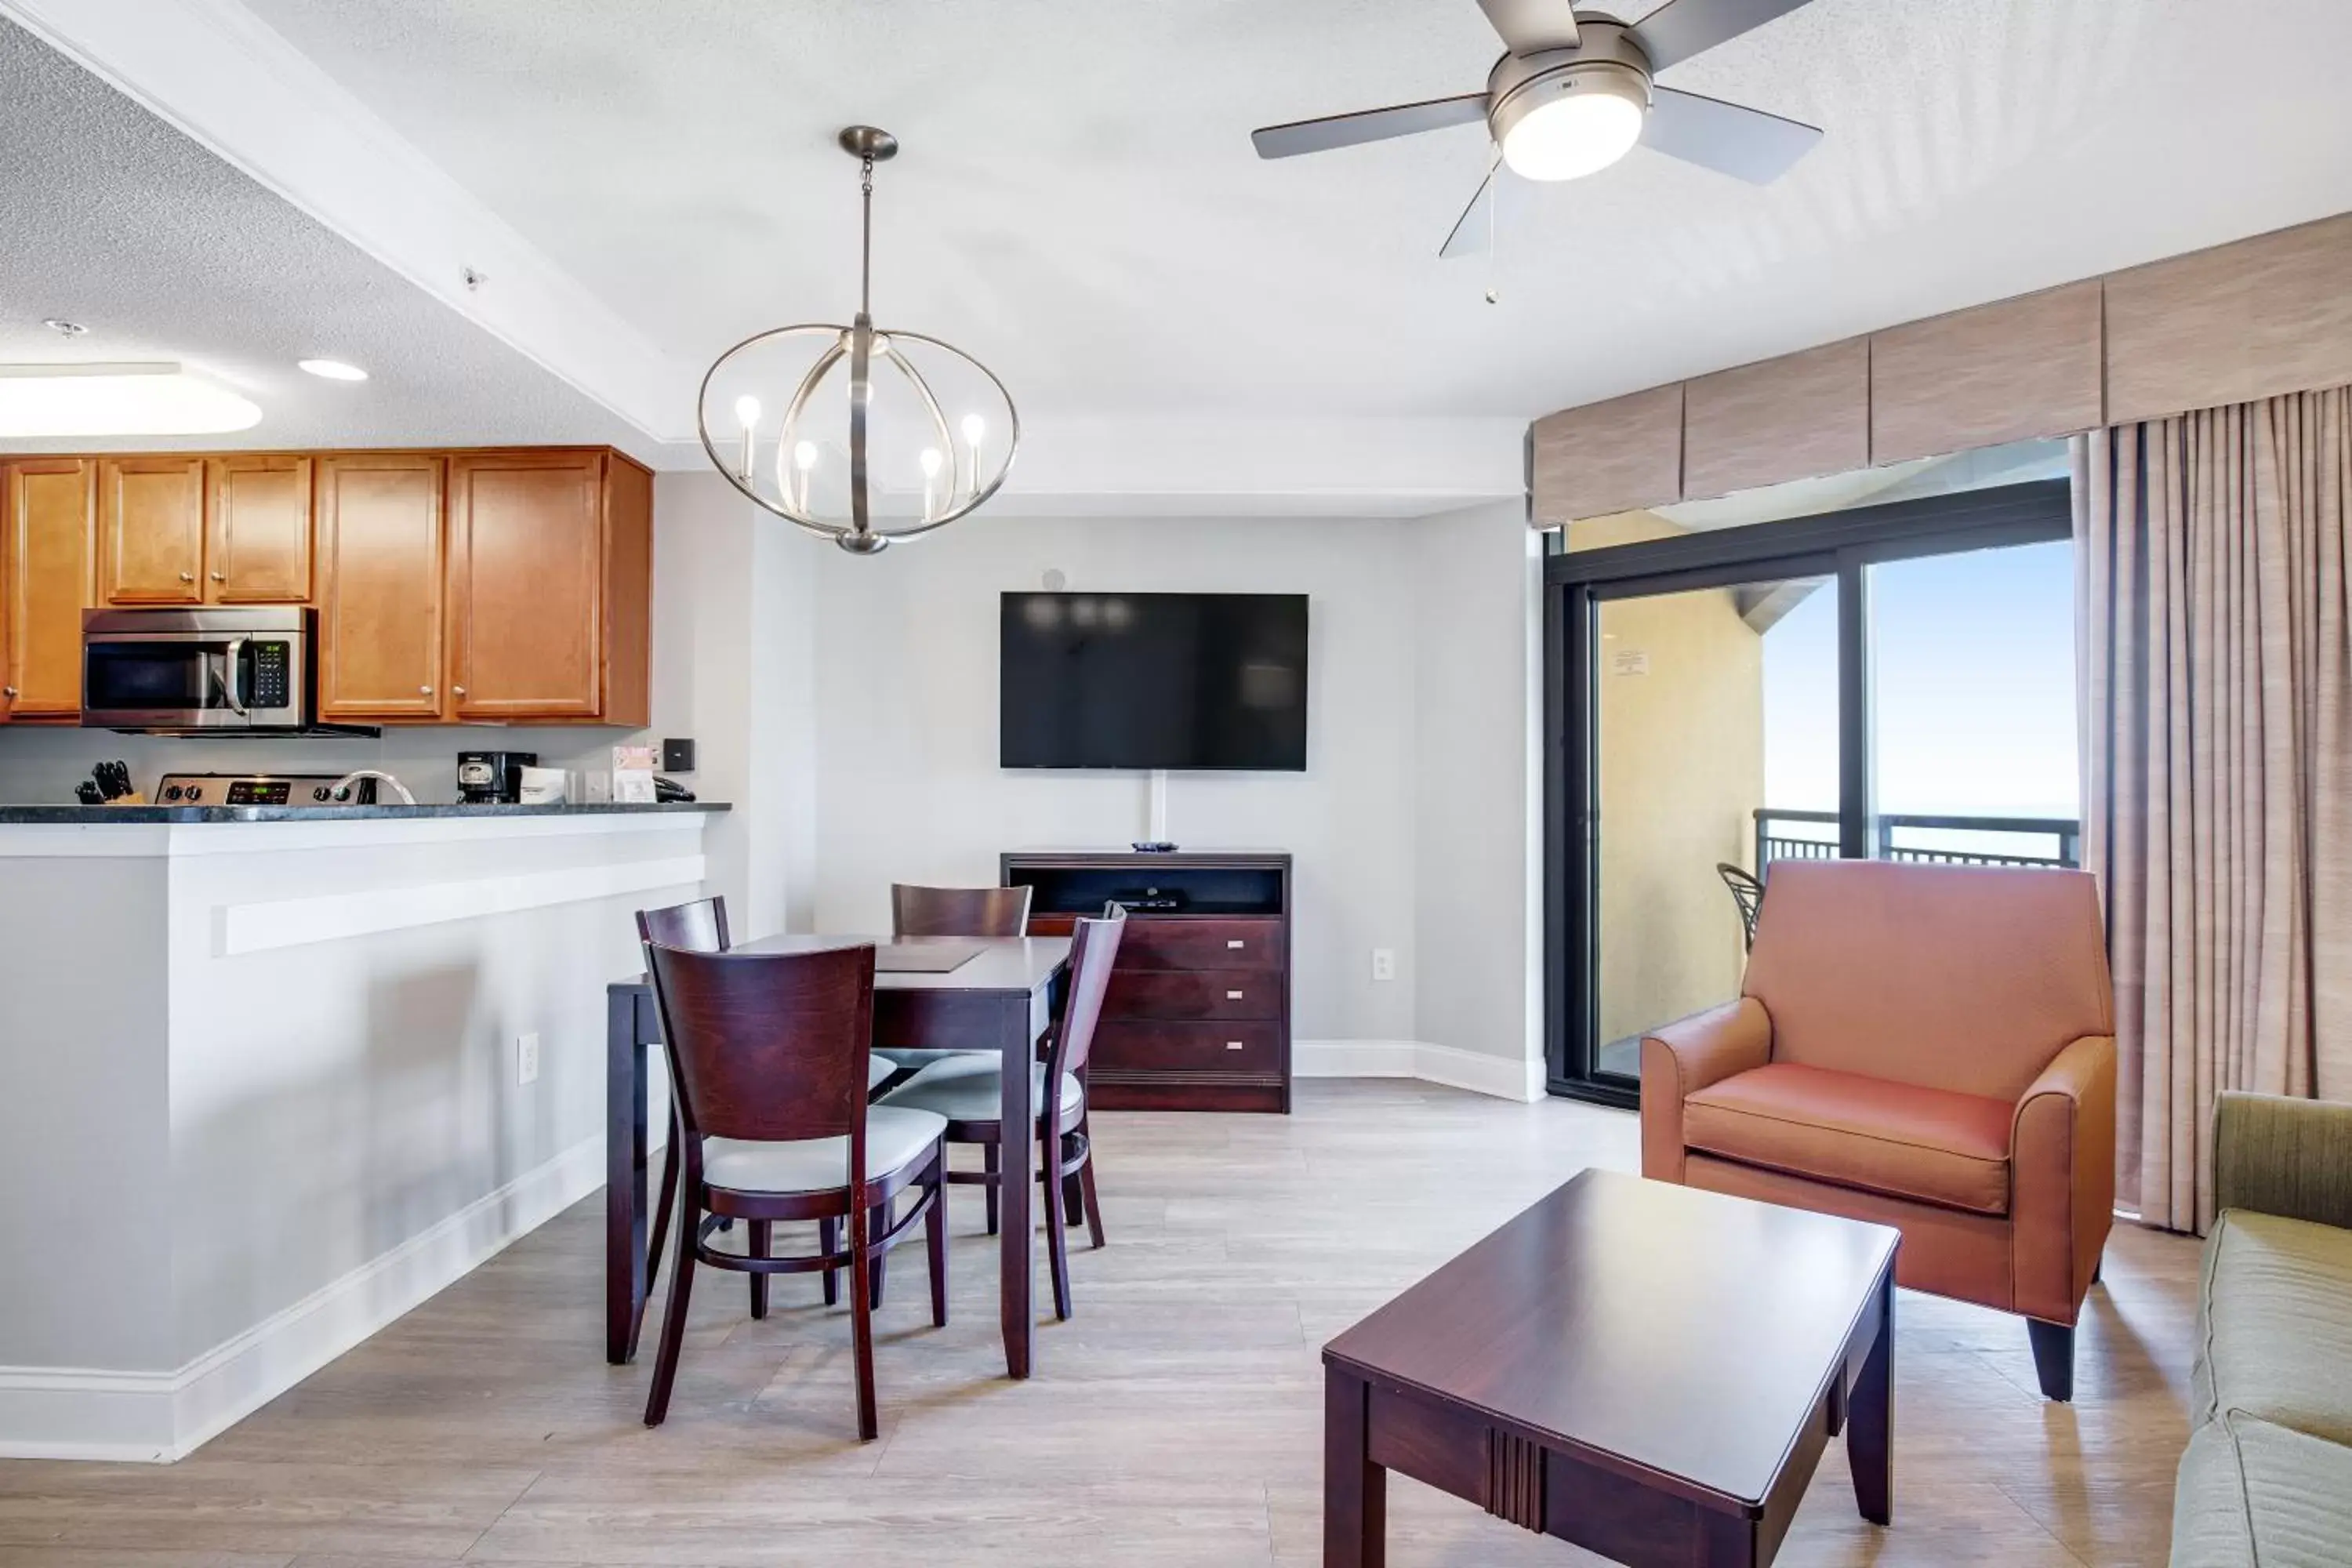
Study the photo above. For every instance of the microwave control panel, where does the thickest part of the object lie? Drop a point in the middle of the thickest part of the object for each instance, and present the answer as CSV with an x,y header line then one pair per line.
x,y
269,682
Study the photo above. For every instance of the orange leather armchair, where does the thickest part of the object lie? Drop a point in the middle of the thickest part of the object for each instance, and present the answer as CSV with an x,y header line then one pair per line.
x,y
1925,1047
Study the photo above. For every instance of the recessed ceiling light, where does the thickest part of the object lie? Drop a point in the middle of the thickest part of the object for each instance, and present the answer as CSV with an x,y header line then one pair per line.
x,y
332,369
58,324
41,400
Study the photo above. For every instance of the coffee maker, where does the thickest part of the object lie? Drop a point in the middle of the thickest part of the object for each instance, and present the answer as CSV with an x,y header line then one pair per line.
x,y
492,778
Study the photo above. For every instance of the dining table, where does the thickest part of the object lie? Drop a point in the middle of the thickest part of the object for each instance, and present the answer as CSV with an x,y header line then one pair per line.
x,y
998,999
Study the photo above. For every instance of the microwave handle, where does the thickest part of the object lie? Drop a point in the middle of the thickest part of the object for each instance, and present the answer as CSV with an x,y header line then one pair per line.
x,y
230,659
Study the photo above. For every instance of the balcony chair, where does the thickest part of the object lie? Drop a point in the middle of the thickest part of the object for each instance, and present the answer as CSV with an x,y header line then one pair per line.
x,y
1925,1047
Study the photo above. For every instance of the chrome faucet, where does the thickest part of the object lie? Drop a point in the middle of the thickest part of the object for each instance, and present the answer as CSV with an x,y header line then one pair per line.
x,y
381,777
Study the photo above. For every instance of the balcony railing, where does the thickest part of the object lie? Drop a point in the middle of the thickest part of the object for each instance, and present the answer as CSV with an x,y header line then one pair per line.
x,y
1936,840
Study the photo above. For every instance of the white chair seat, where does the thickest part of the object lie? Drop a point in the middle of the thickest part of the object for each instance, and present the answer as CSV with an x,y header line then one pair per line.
x,y
878,1069
966,1089
920,1057
895,1136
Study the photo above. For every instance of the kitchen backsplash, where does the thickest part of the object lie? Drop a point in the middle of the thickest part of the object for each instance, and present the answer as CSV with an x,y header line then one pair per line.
x,y
39,765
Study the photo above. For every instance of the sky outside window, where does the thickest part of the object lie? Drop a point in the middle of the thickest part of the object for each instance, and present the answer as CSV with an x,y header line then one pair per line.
x,y
1975,678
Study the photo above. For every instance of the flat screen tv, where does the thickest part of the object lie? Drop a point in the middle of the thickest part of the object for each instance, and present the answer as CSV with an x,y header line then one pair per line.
x,y
1153,680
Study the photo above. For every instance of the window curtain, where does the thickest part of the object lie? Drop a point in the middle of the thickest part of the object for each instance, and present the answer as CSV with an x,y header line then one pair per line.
x,y
2217,718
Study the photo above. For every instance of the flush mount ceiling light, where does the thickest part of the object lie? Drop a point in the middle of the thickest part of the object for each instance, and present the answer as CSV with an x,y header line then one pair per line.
x,y
1573,93
332,369
41,400
850,467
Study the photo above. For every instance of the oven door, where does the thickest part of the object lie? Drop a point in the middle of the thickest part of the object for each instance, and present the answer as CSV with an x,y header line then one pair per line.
x,y
184,681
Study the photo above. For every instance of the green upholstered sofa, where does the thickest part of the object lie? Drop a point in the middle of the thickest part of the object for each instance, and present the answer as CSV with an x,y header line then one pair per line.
x,y
2267,1479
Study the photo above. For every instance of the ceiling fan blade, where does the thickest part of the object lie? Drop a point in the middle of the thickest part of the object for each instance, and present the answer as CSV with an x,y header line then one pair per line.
x,y
1681,28
1745,143
1369,125
1530,27
1472,229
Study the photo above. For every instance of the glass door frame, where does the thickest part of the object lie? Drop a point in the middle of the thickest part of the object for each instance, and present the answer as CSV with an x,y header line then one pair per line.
x,y
1841,545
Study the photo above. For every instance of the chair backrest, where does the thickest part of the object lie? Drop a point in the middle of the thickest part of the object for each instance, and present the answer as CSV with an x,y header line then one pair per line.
x,y
1956,977
769,1045
957,911
698,927
1093,950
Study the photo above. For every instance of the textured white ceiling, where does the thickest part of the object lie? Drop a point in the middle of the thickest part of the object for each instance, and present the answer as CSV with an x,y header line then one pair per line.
x,y
1079,202
117,221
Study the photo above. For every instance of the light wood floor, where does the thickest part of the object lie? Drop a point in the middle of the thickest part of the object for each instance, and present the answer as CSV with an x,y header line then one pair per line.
x,y
1175,1420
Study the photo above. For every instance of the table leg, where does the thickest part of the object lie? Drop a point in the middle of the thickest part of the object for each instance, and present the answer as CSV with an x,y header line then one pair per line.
x,y
1870,1419
1016,1185
625,1172
1355,1489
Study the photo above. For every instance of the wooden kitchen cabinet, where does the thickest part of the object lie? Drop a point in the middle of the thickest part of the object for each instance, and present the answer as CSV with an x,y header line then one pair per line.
x,y
549,566
526,585
257,530
150,529
493,587
47,578
380,558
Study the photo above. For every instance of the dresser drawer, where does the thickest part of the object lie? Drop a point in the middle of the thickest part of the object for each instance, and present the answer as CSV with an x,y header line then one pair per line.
x,y
1162,943
1192,993
1133,1046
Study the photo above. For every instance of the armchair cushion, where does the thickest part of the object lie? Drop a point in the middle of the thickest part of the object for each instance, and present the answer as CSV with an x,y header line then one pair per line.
x,y
1929,1144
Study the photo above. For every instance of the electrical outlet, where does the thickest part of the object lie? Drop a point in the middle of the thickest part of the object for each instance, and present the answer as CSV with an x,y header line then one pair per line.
x,y
1385,964
526,1059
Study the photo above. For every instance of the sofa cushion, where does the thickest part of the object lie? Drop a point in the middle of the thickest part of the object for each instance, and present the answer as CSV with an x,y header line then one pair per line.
x,y
2252,1493
1885,1137
2274,1323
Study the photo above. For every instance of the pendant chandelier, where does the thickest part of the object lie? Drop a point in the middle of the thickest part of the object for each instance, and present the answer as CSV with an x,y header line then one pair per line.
x,y
925,434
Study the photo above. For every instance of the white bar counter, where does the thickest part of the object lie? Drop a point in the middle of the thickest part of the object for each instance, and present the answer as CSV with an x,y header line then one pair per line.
x,y
260,1085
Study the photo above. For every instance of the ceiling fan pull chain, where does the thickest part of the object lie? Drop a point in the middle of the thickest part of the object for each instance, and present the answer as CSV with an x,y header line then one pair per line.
x,y
1494,229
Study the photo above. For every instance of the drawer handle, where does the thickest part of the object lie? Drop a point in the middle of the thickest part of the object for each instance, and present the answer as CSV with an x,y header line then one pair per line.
x,y
1233,1045
1232,995
1236,942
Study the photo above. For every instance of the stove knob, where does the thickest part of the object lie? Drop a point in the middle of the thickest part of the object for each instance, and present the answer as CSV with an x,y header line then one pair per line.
x,y
343,794
172,791
319,793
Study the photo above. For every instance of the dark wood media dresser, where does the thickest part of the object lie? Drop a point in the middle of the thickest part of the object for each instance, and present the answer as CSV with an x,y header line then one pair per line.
x,y
1197,1016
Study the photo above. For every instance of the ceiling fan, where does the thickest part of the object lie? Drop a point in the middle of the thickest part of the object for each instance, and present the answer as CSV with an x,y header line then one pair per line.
x,y
1574,92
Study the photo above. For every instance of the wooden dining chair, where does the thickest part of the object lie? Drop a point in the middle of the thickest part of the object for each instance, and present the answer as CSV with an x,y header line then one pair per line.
x,y
701,927
917,910
966,1092
768,1051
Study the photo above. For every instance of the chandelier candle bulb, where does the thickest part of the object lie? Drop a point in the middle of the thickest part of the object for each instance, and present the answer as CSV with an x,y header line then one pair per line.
x,y
747,411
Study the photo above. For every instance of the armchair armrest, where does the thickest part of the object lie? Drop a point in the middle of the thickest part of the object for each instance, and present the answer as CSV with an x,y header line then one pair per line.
x,y
2287,1157
2062,1179
1681,1058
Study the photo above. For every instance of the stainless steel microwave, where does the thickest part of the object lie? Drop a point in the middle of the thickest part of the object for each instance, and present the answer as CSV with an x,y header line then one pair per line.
x,y
200,671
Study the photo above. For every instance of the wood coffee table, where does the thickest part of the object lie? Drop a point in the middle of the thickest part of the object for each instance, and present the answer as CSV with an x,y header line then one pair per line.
x,y
1648,1371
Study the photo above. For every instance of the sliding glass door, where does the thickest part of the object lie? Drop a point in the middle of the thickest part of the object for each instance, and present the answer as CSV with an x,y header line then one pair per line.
x,y
1893,681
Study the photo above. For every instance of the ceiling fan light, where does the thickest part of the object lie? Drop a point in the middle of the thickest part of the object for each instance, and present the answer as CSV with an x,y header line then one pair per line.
x,y
1576,124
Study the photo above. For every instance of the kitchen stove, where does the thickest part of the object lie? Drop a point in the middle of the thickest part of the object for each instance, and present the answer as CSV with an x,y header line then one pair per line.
x,y
263,789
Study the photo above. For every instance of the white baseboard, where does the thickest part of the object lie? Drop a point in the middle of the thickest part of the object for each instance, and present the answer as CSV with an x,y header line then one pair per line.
x,y
1505,1077
79,1413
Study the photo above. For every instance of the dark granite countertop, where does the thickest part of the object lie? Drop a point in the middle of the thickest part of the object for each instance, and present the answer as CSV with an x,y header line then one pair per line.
x,y
15,816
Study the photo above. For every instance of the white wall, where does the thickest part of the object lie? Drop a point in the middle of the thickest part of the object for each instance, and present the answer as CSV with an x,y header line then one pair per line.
x,y
908,787
1478,925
